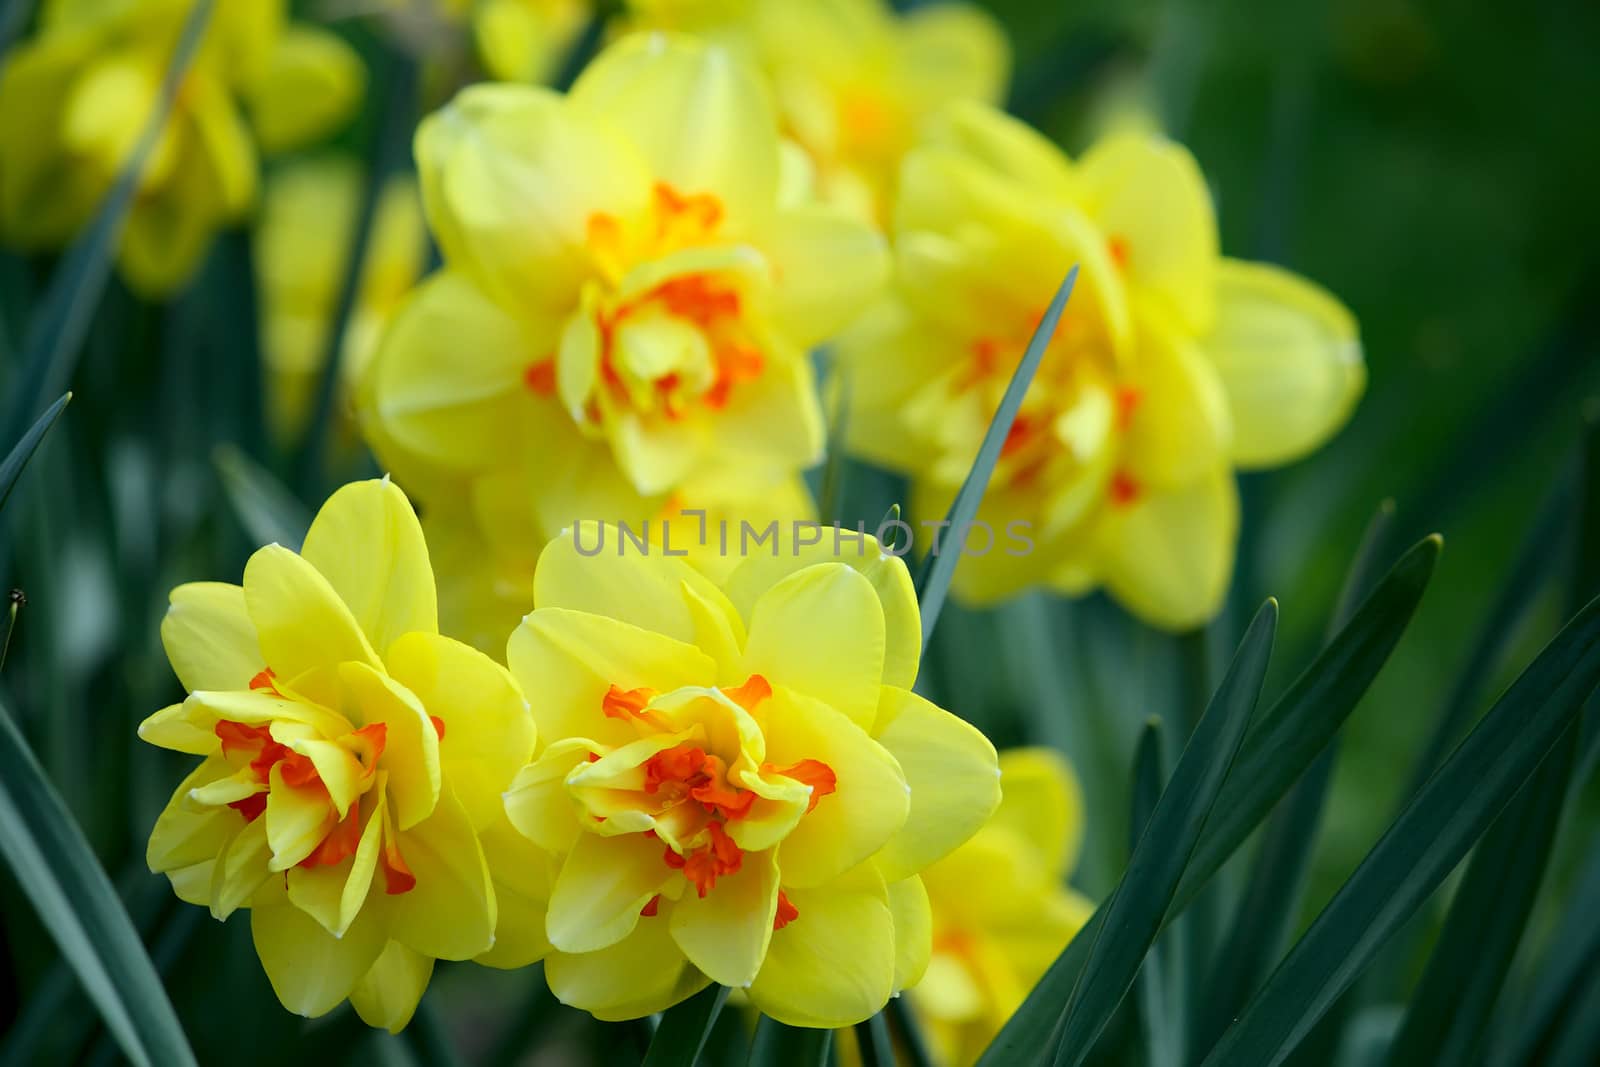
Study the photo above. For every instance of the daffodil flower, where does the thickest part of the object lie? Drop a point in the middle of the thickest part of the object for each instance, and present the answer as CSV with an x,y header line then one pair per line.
x,y
303,235
1171,367
79,94
1001,913
353,757
627,304
735,782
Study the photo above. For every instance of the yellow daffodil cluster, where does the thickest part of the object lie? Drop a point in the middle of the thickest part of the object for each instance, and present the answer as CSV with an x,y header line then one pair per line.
x,y
303,239
733,782
76,98
1171,367
352,758
630,293
1001,914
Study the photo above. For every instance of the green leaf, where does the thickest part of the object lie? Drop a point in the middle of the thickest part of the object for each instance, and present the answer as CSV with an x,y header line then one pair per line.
x,y
684,1029
23,451
57,330
830,492
778,1045
1284,741
1270,759
877,1047
1451,1006
912,1039
1420,849
1263,919
1159,1035
1138,905
933,578
266,509
75,901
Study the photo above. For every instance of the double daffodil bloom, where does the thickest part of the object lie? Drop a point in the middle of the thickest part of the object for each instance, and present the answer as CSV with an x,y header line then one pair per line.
x,y
853,79
735,781
1171,367
303,237
75,100
352,759
1001,913
628,299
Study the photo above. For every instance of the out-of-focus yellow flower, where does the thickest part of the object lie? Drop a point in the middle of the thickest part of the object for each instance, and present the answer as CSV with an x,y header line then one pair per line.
x,y
75,100
853,79
624,318
1171,367
736,783
1001,913
527,40
353,758
303,238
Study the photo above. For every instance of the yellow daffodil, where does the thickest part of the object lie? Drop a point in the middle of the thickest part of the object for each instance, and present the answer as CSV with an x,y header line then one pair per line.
x,y
353,758
1171,367
1001,913
627,305
735,782
303,238
527,40
76,98
853,79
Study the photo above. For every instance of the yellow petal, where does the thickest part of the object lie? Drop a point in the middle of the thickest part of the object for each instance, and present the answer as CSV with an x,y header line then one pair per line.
x,y
299,619
600,569
259,708
1042,805
309,968
700,118
172,727
955,51
538,802
774,421
185,842
567,661
225,144
524,42
830,267
209,637
913,930
1180,426
334,895
1006,145
297,819
1168,556
311,86
510,177
523,875
1147,194
411,745
1289,358
834,964
241,869
725,933
488,729
887,575
450,913
462,411
367,543
388,994
870,799
954,777
640,975
603,884
820,631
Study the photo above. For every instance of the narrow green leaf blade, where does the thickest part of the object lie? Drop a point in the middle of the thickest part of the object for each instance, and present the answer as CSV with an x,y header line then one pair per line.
x,y
24,449
76,903
1138,905
57,330
1262,920
933,578
684,1029
1420,849
1284,741
1316,705
778,1045
1156,1026
266,509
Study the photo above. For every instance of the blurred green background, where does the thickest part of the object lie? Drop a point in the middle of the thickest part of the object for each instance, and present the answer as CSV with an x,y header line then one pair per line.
x,y
1434,164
